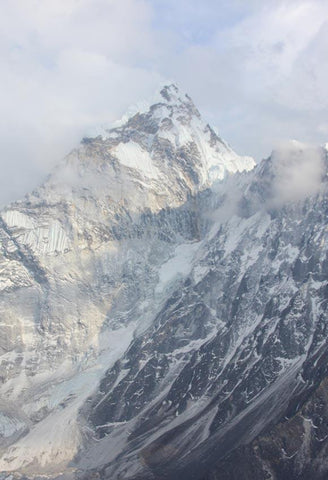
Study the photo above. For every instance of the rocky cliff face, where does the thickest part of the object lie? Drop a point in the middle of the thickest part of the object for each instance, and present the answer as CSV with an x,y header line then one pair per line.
x,y
293,449
164,307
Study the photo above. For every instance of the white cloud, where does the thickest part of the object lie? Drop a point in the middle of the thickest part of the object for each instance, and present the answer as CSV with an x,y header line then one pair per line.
x,y
66,66
265,78
298,171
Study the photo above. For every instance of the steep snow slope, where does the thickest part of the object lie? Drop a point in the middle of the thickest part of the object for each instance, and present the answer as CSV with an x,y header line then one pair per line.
x,y
85,266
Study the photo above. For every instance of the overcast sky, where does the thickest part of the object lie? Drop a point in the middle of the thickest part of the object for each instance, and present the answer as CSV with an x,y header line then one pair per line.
x,y
256,69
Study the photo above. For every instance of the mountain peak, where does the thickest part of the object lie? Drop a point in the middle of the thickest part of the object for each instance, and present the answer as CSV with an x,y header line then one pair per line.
x,y
164,147
173,95
168,95
170,91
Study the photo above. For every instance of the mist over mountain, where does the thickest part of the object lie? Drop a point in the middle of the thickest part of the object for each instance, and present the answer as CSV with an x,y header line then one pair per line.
x,y
164,309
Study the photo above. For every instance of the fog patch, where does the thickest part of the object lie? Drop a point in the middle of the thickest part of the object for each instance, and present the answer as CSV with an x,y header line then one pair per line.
x,y
298,170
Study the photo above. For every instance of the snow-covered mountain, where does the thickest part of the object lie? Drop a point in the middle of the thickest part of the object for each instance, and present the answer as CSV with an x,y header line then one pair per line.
x,y
163,305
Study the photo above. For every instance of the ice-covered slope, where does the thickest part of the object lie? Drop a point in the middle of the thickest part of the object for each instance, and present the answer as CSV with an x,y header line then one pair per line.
x,y
82,268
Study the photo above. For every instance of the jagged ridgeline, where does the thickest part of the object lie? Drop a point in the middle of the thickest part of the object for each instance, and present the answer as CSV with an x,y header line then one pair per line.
x,y
164,309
